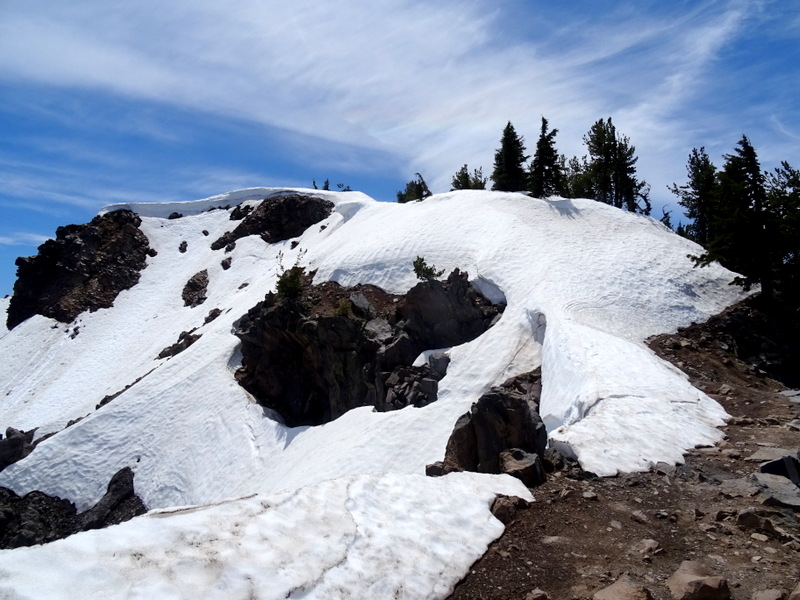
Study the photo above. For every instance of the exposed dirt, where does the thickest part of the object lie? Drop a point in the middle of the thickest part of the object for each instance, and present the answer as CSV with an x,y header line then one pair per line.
x,y
582,532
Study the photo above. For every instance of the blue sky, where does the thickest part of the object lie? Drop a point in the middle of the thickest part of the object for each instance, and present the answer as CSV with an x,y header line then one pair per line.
x,y
106,101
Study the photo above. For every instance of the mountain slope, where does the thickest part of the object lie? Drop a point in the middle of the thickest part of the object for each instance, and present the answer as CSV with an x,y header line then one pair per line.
x,y
584,283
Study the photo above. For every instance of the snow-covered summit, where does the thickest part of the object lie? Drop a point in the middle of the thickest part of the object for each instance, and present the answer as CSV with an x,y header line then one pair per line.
x,y
585,284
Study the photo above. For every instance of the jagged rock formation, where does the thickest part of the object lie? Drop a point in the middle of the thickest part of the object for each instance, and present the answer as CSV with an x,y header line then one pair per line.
x,y
37,518
502,433
315,357
84,268
277,219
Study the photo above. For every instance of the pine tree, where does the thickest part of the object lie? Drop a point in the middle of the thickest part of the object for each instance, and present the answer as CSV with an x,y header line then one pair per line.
x,y
742,228
699,195
578,182
612,169
783,194
509,161
416,189
601,143
462,180
666,217
546,174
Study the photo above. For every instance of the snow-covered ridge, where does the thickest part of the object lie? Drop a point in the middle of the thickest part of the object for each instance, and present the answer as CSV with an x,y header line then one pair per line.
x,y
585,285
229,199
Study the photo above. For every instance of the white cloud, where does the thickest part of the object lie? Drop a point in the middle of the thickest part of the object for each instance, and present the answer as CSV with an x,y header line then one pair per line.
x,y
21,238
430,83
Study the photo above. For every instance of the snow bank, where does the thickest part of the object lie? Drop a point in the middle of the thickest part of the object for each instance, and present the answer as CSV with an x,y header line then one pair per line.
x,y
388,536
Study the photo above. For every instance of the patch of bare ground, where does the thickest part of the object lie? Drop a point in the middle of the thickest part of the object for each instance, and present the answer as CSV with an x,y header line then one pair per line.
x,y
582,532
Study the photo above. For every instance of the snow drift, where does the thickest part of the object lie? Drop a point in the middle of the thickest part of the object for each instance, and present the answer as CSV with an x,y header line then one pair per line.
x,y
585,285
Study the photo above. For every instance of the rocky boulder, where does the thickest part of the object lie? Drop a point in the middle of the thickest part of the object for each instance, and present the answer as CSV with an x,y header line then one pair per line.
x,y
502,433
410,386
505,508
196,289
120,503
624,588
185,339
277,219
695,581
84,268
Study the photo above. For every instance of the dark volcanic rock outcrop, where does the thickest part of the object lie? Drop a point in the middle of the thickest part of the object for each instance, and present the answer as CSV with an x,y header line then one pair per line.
x,y
502,433
278,218
84,268
185,339
195,290
438,315
15,446
37,518
315,357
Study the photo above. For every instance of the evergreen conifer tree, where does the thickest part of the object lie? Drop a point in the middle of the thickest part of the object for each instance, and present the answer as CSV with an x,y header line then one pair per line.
x,y
578,182
509,160
699,195
462,180
743,227
416,189
783,194
546,174
612,169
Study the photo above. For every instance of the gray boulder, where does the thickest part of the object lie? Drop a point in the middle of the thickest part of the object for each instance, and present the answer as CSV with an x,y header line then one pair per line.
x,y
37,518
523,465
311,362
440,314
120,503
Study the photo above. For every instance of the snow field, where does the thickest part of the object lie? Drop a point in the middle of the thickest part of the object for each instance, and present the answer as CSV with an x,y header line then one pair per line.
x,y
585,285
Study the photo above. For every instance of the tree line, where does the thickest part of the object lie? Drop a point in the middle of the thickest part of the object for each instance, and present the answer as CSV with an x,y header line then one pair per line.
x,y
607,173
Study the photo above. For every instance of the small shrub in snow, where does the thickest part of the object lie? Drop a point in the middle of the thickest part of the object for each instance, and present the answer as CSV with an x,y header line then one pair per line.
x,y
343,308
291,282
424,271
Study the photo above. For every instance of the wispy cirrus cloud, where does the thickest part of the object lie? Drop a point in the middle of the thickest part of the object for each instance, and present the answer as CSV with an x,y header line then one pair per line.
x,y
115,102
430,84
21,238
